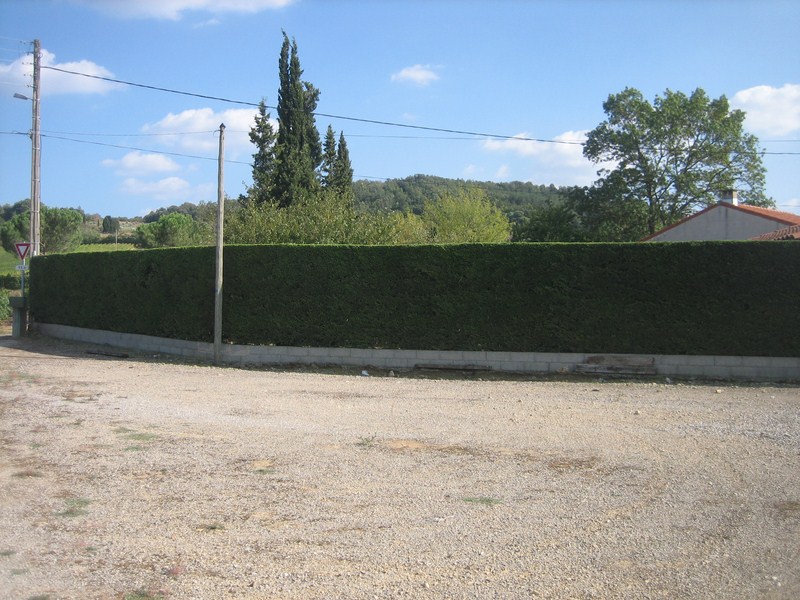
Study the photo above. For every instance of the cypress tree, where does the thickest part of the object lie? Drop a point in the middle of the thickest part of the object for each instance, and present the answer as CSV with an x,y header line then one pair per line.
x,y
298,151
262,134
328,157
341,177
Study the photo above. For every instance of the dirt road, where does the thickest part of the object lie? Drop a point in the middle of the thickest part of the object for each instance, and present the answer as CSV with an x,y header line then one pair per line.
x,y
139,478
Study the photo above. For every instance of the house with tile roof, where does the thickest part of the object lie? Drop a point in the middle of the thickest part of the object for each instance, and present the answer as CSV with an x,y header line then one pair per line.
x,y
726,220
787,233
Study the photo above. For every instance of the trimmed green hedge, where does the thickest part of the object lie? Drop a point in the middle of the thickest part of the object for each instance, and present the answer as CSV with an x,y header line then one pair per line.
x,y
734,298
166,293
10,281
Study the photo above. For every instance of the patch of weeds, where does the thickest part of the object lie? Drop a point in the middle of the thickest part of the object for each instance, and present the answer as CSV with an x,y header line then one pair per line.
x,y
28,473
367,442
75,508
484,500
788,508
265,471
211,527
19,571
143,595
35,445
123,430
133,448
39,597
7,552
141,437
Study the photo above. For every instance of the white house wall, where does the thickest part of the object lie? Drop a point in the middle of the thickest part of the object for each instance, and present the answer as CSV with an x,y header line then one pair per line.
x,y
719,223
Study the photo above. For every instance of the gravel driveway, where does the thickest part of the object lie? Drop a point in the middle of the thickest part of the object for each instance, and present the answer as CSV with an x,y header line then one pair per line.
x,y
135,478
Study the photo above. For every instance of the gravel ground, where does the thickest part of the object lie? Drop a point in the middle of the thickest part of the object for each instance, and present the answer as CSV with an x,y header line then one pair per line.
x,y
136,478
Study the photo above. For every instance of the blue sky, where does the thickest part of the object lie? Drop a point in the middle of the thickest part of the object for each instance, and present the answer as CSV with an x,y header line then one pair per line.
x,y
537,69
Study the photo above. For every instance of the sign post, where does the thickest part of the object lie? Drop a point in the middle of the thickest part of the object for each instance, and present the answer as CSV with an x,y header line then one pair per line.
x,y
23,249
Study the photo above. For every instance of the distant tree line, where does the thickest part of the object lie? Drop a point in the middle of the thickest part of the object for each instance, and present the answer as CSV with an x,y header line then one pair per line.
x,y
667,159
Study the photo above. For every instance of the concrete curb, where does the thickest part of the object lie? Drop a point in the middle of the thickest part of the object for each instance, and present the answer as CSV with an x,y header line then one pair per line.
x,y
754,368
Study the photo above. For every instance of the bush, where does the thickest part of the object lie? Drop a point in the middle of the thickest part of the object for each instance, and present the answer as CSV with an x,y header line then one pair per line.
x,y
5,308
730,298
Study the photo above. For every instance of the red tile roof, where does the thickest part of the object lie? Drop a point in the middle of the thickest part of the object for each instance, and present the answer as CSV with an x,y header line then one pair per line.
x,y
787,233
785,218
775,215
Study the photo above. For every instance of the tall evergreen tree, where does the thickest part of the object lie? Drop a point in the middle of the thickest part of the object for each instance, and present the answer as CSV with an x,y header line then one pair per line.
x,y
298,151
341,177
262,134
328,157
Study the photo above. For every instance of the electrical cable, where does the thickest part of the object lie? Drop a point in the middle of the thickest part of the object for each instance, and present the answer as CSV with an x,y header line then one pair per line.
x,y
57,137
320,114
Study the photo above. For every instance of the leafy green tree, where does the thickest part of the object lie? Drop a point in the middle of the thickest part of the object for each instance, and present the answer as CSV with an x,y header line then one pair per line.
x,y
61,229
9,211
549,222
466,217
298,150
675,155
262,135
14,230
606,213
110,224
174,229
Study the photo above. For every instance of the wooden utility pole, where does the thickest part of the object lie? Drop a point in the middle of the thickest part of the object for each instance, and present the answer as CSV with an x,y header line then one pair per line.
x,y
36,154
220,223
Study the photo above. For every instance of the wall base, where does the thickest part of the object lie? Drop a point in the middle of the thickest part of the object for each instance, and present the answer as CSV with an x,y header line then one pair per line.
x,y
753,368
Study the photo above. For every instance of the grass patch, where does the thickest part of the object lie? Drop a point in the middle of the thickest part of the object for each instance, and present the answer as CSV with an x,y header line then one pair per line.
x,y
211,527
104,247
141,437
484,500
366,442
135,436
27,473
133,448
8,262
143,595
40,597
75,508
7,552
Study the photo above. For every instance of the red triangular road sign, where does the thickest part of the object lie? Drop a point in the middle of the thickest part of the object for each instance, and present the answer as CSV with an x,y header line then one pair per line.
x,y
22,249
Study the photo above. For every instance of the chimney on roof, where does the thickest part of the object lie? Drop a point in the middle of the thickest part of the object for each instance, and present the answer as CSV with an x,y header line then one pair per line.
x,y
729,197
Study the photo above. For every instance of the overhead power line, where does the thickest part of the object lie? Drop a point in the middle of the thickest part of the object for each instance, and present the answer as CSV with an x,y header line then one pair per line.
x,y
472,134
93,143
319,114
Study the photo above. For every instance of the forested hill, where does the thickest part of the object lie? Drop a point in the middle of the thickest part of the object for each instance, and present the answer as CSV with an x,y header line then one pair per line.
x,y
514,198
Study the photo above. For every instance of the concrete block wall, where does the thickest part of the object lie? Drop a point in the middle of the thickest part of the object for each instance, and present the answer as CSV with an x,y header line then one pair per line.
x,y
755,368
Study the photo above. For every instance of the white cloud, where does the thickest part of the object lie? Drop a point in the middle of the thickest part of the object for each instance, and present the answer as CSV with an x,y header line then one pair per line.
x,y
471,171
561,163
174,9
171,189
503,172
770,110
197,130
420,75
19,75
139,163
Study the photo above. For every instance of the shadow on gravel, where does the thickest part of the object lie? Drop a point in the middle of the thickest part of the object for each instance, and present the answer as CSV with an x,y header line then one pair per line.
x,y
58,348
